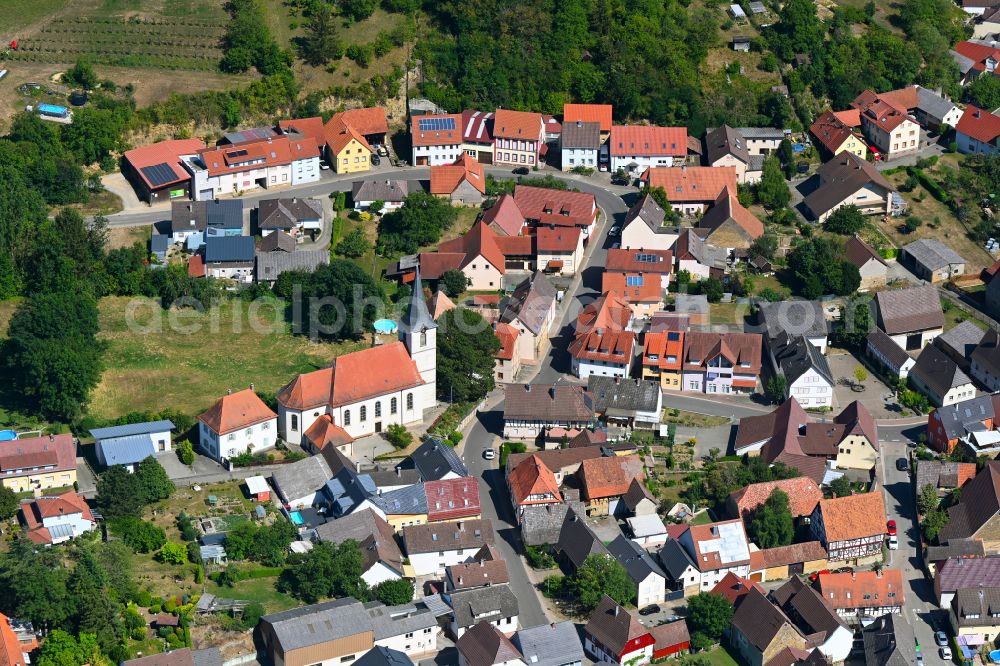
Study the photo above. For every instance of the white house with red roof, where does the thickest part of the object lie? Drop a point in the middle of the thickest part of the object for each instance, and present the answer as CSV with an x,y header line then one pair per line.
x,y
603,344
636,148
558,250
518,138
238,423
436,139
977,57
365,392
978,132
561,208
477,135
507,361
887,124
52,520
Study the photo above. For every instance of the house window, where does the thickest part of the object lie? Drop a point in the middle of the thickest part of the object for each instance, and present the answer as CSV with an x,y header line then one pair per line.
x,y
378,409
363,416
409,401
423,338
347,417
393,404
295,423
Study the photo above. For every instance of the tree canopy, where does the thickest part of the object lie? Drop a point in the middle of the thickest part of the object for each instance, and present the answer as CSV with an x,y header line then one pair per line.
x,y
466,348
418,223
818,267
597,576
327,570
709,615
772,524
846,220
339,300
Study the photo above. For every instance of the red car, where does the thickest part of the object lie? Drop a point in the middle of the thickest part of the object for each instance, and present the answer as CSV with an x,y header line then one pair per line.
x,y
818,574
890,527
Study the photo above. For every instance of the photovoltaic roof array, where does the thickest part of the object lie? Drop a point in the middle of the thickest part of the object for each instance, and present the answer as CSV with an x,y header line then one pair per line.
x,y
435,124
159,174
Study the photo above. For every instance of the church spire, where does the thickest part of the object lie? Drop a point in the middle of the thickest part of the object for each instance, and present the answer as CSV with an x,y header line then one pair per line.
x,y
416,317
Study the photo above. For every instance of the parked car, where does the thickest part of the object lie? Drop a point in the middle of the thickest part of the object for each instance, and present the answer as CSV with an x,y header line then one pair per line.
x,y
521,171
940,638
849,570
650,610
893,543
489,454
615,231
902,464
890,527
376,160
945,652
920,657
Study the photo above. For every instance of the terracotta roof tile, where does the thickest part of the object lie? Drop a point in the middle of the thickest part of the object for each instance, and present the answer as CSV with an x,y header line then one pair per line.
x,y
734,587
164,152
609,476
557,239
803,496
451,499
688,184
863,589
504,216
517,125
589,113
664,345
558,207
532,477
367,121
444,137
645,140
853,517
507,335
639,261
809,551
236,411
831,131
981,125
324,432
632,287
446,179
58,451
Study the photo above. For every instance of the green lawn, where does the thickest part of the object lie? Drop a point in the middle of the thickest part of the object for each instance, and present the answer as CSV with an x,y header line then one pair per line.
x,y
703,518
261,590
716,657
186,360
18,13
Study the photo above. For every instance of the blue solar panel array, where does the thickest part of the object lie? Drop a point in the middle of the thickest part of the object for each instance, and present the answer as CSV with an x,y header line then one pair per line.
x,y
159,174
436,124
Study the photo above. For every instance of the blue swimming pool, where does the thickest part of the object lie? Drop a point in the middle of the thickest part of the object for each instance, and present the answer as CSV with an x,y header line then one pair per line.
x,y
296,518
7,435
385,326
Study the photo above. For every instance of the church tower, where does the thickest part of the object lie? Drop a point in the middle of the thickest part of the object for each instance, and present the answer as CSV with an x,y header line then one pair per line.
x,y
418,331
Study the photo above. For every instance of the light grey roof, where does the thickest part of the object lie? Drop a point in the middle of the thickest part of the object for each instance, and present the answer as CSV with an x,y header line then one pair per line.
x,y
932,254
623,395
207,657
965,65
132,429
530,303
962,339
581,135
550,644
298,479
541,524
886,346
272,264
434,460
637,562
691,303
126,450
938,371
417,318
761,132
412,499
158,243
486,604
933,104
794,317
386,190
957,419
909,310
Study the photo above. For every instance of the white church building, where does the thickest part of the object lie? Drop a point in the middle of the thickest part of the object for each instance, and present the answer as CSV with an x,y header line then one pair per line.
x,y
366,391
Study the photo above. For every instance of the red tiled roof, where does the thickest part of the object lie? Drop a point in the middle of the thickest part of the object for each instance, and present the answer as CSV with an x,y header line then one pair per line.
x,y
691,183
809,551
648,291
35,511
164,152
643,140
11,649
558,239
589,113
324,432
734,587
504,216
196,266
850,117
830,131
477,127
609,346
452,137
366,121
532,477
979,124
446,179
639,261
507,335
236,411
609,476
728,207
710,558
903,98
738,348
435,264
311,127
450,499
48,450
977,53
338,134
275,151
803,496
559,207
853,517
608,312
862,589
353,377
880,111
480,241
662,346
517,125
516,246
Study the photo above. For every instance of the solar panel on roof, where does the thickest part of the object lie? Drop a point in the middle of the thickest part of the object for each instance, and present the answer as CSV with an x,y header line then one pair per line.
x,y
435,124
236,153
159,174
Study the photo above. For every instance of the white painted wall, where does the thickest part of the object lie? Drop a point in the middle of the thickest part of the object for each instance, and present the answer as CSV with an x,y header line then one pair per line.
x,y
586,368
575,157
305,171
437,155
425,564
259,437
812,390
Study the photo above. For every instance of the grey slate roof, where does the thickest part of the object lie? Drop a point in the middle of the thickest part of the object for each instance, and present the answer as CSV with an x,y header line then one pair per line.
x,y
577,541
485,645
199,215
886,346
229,249
347,488
955,548
841,177
965,65
373,535
957,419
132,429
938,371
793,317
932,254
674,559
548,404
650,212
277,241
987,353
386,190
298,479
937,473
795,356
550,644
127,450
962,339
581,135
530,303
542,524
434,460
272,264
412,499
288,213
933,104
761,132
434,537
725,140
623,395
158,243
637,562
806,608
981,602
909,310
483,604
889,641
383,656
417,318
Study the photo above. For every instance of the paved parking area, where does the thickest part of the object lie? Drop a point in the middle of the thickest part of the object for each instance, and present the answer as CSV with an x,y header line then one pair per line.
x,y
175,469
842,366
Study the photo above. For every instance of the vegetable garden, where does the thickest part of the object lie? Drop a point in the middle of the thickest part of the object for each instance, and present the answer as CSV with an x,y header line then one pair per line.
x,y
177,43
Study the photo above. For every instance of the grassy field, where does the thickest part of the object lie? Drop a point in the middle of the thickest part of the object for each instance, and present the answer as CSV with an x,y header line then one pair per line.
x,y
691,419
186,360
17,14
716,657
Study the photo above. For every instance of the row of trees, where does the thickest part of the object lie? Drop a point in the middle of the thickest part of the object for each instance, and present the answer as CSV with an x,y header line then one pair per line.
x,y
334,570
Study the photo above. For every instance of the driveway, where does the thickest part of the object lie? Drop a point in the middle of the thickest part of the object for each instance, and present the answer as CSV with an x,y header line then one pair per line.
x,y
118,185
875,395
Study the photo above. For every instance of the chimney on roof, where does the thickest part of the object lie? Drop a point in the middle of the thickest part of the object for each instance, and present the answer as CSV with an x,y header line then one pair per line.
x,y
617,607
552,392
251,386
527,388
399,471
229,391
